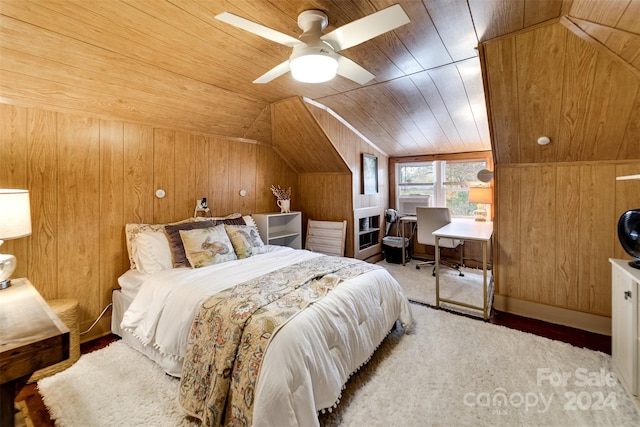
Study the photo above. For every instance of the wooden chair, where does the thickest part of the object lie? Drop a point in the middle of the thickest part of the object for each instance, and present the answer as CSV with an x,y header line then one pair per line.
x,y
326,237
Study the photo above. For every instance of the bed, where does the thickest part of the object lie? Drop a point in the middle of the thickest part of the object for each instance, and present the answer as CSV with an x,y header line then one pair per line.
x,y
309,357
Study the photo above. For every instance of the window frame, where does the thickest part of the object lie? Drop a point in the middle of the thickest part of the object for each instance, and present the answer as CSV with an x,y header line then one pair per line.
x,y
438,169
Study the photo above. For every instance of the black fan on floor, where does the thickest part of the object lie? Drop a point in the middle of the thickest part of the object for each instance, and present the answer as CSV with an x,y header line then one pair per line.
x,y
629,235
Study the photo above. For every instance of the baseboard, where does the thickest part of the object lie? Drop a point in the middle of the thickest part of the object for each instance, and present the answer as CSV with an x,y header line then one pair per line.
x,y
560,316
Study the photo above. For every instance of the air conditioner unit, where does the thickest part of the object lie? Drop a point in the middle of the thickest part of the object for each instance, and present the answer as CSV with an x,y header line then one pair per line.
x,y
407,205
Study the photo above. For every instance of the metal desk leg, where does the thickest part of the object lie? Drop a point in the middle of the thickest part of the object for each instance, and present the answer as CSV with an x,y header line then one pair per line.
x,y
402,246
484,280
437,271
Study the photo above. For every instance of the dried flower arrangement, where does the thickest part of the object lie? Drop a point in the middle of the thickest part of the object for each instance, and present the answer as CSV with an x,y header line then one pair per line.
x,y
280,193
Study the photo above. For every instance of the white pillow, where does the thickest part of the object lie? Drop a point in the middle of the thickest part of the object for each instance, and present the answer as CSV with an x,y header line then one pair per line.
x,y
132,230
151,252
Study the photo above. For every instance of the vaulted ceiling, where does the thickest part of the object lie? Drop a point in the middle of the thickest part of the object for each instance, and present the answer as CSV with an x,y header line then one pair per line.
x,y
169,63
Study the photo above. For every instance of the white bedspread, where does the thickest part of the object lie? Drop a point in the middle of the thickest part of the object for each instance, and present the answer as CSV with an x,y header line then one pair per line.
x,y
163,310
309,360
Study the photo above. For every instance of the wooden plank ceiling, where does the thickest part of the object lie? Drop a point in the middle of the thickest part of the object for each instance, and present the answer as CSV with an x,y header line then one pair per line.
x,y
169,63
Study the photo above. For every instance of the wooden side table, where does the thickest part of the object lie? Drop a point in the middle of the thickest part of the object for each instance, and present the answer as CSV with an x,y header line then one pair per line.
x,y
32,337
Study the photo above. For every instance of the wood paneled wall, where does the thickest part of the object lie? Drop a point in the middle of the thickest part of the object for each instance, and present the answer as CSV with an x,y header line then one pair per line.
x,y
88,177
557,206
326,153
298,137
350,146
135,63
325,197
548,81
329,182
556,228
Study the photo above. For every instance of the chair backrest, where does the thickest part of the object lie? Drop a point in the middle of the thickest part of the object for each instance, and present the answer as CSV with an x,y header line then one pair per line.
x,y
326,237
431,219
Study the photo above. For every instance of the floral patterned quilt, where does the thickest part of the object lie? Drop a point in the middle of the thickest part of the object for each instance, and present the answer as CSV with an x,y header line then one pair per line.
x,y
233,328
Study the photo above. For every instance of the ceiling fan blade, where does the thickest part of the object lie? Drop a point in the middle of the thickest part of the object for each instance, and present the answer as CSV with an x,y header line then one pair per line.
x,y
349,69
366,28
273,73
260,30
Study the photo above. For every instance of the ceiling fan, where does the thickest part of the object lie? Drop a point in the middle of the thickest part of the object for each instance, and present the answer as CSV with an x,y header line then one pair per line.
x,y
315,57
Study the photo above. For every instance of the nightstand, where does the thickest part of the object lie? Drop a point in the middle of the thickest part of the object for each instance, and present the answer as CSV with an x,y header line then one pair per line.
x,y
32,337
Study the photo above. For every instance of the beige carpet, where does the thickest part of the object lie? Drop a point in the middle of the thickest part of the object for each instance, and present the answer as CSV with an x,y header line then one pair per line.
x,y
420,285
453,371
450,371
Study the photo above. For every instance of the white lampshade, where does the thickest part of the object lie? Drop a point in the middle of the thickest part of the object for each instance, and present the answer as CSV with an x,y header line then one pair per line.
x,y
15,222
15,214
313,68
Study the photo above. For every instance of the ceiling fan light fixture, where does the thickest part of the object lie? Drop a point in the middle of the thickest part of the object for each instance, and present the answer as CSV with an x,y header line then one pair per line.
x,y
313,68
315,57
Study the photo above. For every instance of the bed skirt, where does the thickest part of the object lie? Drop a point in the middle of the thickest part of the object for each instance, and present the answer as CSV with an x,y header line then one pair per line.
x,y
121,302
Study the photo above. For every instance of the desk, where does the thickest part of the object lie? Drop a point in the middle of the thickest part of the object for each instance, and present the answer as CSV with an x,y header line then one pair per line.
x,y
412,220
32,337
465,229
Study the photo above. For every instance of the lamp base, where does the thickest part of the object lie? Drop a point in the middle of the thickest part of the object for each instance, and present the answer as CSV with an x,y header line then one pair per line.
x,y
480,214
7,266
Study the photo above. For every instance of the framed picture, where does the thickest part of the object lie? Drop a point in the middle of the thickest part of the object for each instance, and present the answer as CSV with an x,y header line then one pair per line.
x,y
369,174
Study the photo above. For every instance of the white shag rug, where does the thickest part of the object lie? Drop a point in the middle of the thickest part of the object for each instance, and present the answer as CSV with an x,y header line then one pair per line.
x,y
420,285
113,386
451,371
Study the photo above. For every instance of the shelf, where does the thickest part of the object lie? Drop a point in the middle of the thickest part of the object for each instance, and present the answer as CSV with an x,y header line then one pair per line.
x,y
282,235
368,230
368,245
282,229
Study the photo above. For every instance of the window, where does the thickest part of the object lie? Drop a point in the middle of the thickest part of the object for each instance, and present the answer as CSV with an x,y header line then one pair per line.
x,y
437,183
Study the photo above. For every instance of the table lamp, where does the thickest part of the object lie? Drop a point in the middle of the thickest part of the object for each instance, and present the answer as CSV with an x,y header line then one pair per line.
x,y
15,222
480,195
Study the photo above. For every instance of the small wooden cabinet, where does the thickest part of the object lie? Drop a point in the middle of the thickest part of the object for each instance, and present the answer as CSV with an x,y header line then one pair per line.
x,y
282,229
625,325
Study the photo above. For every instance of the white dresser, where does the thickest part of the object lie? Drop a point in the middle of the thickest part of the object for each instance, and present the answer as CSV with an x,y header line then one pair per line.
x,y
625,325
